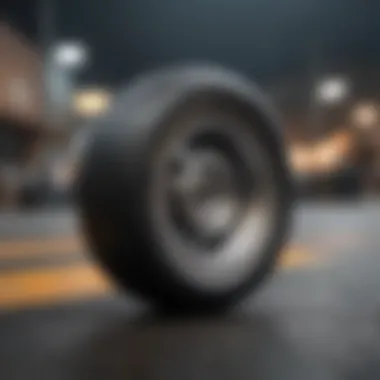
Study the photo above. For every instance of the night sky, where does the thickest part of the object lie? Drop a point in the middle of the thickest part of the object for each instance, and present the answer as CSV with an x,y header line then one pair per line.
x,y
267,39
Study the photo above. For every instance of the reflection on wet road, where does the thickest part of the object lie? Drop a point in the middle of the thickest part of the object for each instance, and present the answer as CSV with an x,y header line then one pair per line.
x,y
318,318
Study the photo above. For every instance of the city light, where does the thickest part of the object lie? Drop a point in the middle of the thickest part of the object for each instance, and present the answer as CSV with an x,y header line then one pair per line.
x,y
365,115
332,90
70,55
322,156
91,102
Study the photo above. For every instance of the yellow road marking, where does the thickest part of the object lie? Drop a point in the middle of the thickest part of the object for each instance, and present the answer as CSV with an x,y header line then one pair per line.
x,y
41,286
295,257
29,288
292,257
21,249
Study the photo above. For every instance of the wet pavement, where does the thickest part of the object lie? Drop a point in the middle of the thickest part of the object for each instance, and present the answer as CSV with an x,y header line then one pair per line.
x,y
318,318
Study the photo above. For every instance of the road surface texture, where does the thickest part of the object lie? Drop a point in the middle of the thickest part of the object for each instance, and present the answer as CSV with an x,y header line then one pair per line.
x,y
319,317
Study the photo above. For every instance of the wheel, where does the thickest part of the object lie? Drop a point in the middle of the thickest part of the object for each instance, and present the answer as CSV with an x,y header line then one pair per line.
x,y
184,190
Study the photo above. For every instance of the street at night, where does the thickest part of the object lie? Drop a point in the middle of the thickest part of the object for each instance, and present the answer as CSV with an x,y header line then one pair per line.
x,y
181,137
317,318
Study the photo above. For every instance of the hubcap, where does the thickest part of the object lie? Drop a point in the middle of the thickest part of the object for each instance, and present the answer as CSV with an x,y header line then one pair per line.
x,y
213,201
205,193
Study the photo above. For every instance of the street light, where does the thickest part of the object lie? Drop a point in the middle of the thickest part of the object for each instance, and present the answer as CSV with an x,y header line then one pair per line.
x,y
70,55
63,64
365,115
332,90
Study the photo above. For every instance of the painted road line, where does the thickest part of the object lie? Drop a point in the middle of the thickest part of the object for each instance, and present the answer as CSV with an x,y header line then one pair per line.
x,y
41,262
297,257
39,287
55,249
49,250
46,286
39,247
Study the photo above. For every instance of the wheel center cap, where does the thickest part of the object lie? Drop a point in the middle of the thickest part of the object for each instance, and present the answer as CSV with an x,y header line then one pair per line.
x,y
207,192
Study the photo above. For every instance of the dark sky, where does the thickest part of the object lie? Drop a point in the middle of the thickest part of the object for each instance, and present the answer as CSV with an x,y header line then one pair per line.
x,y
268,39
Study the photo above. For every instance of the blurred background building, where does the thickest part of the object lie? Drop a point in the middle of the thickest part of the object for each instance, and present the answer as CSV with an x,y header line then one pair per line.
x,y
22,120
63,61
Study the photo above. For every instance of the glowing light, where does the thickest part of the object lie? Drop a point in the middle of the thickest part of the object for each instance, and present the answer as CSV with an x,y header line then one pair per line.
x,y
365,115
301,159
92,102
322,156
332,90
70,54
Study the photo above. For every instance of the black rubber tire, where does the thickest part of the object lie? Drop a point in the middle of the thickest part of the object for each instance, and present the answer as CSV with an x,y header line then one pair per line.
x,y
113,180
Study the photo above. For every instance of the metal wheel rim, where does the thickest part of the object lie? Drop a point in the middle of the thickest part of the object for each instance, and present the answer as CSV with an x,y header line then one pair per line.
x,y
233,260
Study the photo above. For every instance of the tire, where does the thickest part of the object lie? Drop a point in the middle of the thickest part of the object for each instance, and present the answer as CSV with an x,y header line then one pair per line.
x,y
121,191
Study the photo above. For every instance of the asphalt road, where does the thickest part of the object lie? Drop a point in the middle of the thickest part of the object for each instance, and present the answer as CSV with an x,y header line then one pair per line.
x,y
319,317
